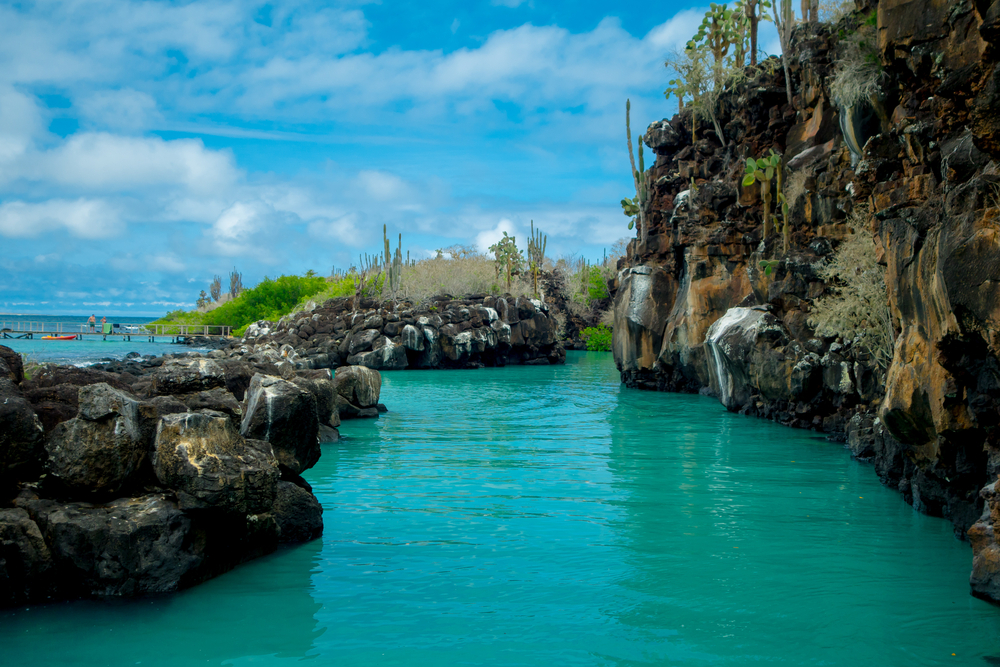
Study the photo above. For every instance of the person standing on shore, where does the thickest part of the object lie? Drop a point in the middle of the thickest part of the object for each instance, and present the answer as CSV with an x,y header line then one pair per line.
x,y
104,321
92,322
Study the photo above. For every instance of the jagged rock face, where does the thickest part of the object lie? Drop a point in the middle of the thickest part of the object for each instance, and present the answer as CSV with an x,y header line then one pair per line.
x,y
285,415
203,458
451,333
929,173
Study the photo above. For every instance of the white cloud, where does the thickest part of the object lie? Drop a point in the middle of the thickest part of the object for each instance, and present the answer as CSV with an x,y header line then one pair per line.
x,y
455,25
487,238
124,110
507,3
83,218
101,161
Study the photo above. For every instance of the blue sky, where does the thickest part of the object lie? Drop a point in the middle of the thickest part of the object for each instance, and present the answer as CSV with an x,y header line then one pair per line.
x,y
146,146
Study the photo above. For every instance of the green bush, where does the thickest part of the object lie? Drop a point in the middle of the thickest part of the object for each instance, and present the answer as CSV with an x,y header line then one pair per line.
x,y
597,287
269,300
598,339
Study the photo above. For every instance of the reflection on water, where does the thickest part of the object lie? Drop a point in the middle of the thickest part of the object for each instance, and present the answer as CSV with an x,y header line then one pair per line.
x,y
547,516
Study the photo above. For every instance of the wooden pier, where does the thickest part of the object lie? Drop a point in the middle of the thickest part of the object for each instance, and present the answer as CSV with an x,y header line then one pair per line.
x,y
178,333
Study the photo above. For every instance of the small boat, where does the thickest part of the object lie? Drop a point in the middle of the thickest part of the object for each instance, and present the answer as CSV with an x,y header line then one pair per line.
x,y
59,337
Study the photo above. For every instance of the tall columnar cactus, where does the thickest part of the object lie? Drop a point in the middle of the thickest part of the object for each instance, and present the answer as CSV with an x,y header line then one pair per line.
x,y
536,254
784,20
638,208
715,32
764,171
508,258
753,11
393,267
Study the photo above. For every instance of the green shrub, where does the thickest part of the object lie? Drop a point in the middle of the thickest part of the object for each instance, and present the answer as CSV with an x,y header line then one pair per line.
x,y
598,339
597,286
269,300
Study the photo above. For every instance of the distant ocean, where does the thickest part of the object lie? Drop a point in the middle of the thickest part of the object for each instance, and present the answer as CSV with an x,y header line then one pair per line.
x,y
81,352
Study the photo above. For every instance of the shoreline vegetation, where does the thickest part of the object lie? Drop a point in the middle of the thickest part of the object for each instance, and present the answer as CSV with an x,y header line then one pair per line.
x,y
576,290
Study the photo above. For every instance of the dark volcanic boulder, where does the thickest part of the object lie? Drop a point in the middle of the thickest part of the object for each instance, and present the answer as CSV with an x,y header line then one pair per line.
x,y
299,514
51,376
321,386
216,400
11,365
99,451
53,391
128,547
25,560
284,415
358,390
21,441
187,376
202,457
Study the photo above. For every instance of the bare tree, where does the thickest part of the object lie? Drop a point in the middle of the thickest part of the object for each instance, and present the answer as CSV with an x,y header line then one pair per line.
x,y
235,283
216,288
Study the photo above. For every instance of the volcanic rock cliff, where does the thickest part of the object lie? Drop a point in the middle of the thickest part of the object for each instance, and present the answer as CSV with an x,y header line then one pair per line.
x,y
705,303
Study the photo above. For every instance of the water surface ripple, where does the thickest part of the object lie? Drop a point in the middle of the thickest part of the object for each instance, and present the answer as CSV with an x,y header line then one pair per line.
x,y
547,516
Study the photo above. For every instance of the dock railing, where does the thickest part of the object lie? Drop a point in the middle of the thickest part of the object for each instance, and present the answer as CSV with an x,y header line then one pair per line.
x,y
17,326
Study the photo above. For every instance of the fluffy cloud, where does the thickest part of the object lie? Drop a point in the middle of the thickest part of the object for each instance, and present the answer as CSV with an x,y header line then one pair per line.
x,y
84,218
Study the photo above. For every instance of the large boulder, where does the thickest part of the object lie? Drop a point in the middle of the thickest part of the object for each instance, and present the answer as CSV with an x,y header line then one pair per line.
x,y
101,449
299,514
187,376
25,560
385,355
216,400
320,384
286,416
358,390
202,457
127,547
53,391
21,440
11,365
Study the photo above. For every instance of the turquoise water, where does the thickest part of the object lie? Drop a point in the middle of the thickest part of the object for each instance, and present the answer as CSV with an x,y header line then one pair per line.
x,y
88,350
91,350
547,516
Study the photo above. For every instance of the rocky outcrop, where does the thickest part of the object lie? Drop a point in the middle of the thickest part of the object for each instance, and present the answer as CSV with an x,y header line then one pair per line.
x,y
358,389
449,333
695,309
284,415
143,482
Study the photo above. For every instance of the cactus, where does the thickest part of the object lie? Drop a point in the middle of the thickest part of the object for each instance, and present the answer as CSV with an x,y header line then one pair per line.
x,y
763,171
784,21
753,13
508,258
639,178
536,254
715,32
392,267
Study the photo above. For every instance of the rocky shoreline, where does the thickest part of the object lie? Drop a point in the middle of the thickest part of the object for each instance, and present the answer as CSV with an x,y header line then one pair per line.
x,y
148,475
128,483
698,309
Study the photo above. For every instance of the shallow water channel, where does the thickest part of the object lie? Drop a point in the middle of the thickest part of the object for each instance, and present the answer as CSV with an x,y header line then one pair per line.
x,y
548,516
